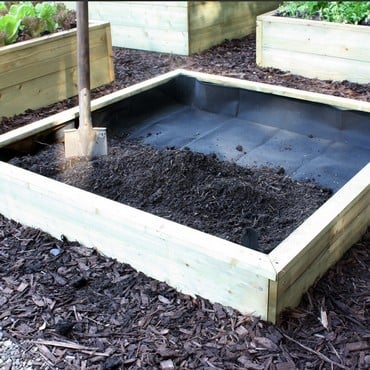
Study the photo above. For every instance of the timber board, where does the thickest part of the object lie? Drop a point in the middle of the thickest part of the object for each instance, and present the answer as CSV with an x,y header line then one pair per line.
x,y
42,71
334,51
178,27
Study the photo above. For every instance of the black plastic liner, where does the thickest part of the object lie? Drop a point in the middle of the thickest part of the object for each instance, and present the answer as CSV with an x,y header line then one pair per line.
x,y
311,141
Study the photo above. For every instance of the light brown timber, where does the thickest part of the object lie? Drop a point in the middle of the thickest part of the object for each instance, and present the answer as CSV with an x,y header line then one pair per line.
x,y
178,27
314,49
42,71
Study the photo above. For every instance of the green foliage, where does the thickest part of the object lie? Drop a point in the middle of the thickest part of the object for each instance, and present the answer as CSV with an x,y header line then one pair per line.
x,y
34,26
354,12
47,12
26,9
3,8
32,19
9,26
65,18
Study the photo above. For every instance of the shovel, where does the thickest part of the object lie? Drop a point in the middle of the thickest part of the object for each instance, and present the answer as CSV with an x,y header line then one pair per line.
x,y
85,141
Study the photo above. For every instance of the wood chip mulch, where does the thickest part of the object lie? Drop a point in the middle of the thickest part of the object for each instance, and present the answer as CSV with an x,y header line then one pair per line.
x,y
76,309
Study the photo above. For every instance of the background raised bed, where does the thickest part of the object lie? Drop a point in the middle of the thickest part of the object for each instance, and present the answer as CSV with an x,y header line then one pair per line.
x,y
42,71
179,27
315,49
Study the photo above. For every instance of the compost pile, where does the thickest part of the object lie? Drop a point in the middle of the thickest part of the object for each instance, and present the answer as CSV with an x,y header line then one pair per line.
x,y
69,308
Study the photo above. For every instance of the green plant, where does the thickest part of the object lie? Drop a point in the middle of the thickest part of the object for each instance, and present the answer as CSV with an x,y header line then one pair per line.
x,y
65,18
347,12
9,26
354,12
47,12
34,26
26,9
26,19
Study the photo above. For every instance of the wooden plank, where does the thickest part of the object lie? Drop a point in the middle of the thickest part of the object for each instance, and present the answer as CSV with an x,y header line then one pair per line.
x,y
272,313
292,296
298,21
325,221
322,239
189,260
212,22
334,51
203,14
177,4
49,66
150,39
316,245
43,71
141,15
109,53
259,39
49,89
68,115
322,67
306,38
217,33
9,51
49,57
155,26
319,235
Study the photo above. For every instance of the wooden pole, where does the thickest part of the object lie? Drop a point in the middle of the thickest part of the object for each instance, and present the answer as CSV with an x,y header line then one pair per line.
x,y
83,65
86,141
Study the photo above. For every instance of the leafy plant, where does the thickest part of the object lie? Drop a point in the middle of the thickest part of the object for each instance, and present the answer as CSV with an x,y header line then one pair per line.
x,y
26,19
354,12
65,18
33,26
3,8
9,26
47,12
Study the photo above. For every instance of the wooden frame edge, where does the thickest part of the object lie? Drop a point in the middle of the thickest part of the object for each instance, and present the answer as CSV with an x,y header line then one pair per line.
x,y
194,262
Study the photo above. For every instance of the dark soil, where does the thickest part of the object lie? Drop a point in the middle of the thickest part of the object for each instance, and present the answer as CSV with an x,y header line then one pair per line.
x,y
193,189
57,294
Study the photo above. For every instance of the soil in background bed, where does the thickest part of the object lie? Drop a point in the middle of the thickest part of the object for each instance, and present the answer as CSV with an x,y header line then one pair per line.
x,y
193,189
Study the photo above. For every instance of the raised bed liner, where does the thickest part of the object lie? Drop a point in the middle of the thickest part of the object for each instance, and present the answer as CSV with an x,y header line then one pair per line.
x,y
309,140
312,136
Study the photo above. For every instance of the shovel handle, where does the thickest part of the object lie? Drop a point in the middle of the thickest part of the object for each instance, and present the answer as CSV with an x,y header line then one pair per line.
x,y
83,64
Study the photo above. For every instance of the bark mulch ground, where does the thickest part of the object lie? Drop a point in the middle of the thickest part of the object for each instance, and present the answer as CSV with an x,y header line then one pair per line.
x,y
70,308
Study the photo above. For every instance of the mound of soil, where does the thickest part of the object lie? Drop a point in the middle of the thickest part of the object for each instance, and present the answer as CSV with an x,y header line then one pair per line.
x,y
218,197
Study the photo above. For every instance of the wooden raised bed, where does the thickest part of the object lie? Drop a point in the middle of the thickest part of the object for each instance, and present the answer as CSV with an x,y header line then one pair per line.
x,y
189,260
315,49
43,71
179,27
